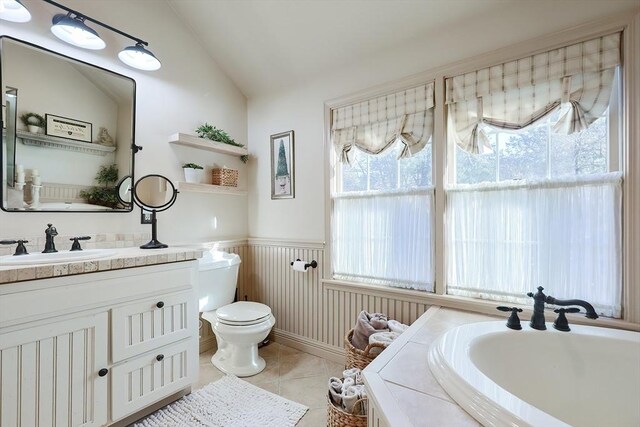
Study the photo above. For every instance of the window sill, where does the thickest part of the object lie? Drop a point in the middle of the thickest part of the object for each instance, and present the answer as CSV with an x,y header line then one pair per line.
x,y
469,304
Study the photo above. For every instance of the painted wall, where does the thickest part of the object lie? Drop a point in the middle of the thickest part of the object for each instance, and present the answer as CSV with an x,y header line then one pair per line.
x,y
301,108
189,90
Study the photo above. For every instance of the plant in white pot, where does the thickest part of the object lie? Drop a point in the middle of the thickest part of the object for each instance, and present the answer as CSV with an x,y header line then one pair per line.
x,y
193,172
34,122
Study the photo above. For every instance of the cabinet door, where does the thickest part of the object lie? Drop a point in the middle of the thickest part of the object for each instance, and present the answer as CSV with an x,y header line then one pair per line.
x,y
144,380
151,323
49,374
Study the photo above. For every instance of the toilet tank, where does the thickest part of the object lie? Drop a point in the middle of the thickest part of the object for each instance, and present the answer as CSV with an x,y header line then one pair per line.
x,y
217,279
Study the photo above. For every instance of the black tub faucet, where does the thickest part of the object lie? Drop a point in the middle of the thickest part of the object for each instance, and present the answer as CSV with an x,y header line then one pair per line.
x,y
49,245
539,299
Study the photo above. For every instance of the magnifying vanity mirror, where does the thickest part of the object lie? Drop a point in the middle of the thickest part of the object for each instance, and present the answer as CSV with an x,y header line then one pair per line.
x,y
68,132
153,193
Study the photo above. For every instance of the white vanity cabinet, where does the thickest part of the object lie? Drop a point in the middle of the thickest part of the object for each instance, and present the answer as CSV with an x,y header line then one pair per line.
x,y
92,349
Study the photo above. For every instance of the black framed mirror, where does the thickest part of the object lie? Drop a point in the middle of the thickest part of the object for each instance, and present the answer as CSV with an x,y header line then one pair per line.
x,y
68,132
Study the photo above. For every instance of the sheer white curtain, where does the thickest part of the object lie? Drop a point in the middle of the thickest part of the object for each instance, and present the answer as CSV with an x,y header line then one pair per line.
x,y
506,239
384,238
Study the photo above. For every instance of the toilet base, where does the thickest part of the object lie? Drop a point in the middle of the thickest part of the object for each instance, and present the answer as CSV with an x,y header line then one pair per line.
x,y
226,364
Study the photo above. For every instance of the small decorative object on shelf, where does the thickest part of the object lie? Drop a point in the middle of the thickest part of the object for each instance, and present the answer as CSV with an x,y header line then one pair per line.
x,y
207,131
104,138
34,122
193,172
225,176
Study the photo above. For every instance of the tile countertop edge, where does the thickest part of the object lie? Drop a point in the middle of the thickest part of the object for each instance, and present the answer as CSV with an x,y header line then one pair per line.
x,y
379,392
124,258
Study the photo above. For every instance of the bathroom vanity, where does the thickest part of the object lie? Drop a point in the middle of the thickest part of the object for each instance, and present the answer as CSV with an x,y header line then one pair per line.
x,y
89,343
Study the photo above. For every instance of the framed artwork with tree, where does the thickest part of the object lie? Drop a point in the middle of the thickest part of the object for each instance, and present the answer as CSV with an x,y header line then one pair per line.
x,y
282,168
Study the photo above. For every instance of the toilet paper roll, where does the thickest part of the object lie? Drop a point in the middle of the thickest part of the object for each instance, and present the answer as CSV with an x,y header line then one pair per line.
x,y
299,266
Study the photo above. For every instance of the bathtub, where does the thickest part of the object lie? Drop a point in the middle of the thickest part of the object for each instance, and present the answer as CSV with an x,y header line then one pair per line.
x,y
587,377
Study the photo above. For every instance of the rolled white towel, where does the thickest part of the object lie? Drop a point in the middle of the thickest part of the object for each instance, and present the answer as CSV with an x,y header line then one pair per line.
x,y
350,395
348,382
384,338
395,326
335,390
354,373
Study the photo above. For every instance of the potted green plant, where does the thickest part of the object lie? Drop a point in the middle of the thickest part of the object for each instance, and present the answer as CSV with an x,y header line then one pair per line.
x,y
106,193
193,172
33,121
214,134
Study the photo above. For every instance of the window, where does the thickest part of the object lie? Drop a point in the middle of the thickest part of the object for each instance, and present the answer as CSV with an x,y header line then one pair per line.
x,y
541,209
382,200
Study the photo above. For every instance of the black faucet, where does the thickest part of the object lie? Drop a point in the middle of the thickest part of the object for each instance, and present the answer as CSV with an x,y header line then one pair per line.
x,y
49,245
537,318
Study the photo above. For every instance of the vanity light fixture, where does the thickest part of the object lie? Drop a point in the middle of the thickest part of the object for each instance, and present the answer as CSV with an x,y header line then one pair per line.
x,y
14,11
71,28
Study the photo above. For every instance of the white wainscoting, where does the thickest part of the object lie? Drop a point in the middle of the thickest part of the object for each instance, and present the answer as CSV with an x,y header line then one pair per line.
x,y
311,314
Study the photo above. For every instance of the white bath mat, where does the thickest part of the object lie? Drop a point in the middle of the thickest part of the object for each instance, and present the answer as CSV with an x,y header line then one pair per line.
x,y
228,402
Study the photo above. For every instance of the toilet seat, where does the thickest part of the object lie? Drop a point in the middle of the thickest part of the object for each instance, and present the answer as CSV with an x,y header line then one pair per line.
x,y
243,313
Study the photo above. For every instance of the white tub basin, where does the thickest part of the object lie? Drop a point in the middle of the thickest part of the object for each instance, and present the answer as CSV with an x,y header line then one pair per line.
x,y
56,257
587,377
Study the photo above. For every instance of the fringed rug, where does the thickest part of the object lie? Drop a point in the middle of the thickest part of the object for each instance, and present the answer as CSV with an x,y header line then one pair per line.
x,y
228,402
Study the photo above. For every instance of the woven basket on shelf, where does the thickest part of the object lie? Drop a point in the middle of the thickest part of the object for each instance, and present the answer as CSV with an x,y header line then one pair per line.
x,y
225,176
337,417
357,358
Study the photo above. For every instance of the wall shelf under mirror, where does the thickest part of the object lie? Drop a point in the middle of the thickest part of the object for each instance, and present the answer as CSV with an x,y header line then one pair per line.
x,y
47,141
206,144
189,187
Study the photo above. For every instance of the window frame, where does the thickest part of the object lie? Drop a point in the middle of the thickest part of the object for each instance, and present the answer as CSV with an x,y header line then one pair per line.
x,y
623,157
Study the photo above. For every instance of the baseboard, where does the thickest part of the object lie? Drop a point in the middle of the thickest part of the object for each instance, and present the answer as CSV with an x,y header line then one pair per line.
x,y
207,343
317,348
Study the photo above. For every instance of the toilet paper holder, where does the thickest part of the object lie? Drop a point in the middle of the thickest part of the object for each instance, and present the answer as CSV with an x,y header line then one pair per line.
x,y
312,264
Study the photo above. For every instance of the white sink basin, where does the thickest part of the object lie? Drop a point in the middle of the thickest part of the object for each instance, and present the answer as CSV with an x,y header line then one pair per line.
x,y
56,257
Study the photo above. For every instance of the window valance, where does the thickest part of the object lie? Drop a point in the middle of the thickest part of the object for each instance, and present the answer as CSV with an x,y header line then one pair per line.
x,y
374,125
515,94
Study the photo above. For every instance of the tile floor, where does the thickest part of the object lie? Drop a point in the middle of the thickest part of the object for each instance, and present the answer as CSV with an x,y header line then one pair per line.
x,y
290,373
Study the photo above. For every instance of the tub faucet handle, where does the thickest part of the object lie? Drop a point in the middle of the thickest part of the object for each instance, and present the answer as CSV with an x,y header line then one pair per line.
x,y
561,323
514,321
20,249
75,246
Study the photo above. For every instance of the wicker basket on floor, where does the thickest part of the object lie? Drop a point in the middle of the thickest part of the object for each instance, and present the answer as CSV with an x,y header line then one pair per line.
x,y
337,417
357,358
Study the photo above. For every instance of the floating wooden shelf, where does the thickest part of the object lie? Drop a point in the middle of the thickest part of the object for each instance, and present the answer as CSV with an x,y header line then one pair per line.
x,y
47,141
189,187
206,144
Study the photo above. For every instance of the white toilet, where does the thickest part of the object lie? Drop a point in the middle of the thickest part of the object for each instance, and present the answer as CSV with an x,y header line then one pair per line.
x,y
239,327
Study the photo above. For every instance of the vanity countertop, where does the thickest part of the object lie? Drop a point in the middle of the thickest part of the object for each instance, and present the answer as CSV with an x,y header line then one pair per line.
x,y
124,258
401,384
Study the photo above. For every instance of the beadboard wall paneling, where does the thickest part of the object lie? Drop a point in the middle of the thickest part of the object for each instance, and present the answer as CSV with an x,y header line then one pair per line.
x,y
311,315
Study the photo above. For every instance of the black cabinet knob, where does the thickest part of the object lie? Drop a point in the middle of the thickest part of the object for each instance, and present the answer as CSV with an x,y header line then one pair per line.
x,y
102,372
160,304
160,357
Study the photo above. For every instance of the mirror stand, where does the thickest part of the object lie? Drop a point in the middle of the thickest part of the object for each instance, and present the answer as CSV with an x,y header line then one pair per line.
x,y
154,243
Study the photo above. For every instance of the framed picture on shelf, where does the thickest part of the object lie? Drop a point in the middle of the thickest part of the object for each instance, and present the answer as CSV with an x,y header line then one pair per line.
x,y
64,127
282,167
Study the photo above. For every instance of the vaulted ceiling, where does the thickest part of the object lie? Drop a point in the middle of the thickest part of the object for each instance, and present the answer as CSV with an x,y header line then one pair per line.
x,y
267,45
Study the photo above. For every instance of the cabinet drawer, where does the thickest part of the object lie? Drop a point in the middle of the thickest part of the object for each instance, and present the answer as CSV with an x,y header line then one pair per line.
x,y
147,324
144,380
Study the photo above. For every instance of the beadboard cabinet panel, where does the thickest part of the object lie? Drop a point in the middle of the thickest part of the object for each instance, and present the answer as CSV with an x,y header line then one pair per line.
x,y
50,375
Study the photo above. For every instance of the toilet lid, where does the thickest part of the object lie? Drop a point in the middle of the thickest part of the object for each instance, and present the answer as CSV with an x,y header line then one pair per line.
x,y
243,313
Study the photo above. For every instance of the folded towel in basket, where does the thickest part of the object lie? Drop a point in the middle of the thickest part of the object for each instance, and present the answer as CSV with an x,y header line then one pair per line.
x,y
384,338
335,390
395,326
350,395
368,324
353,373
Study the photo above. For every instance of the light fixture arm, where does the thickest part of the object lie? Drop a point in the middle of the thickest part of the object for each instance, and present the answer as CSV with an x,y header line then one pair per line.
x,y
95,21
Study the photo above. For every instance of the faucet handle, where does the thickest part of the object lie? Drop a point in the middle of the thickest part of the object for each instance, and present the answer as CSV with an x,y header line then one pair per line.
x,y
561,323
514,321
76,244
20,249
